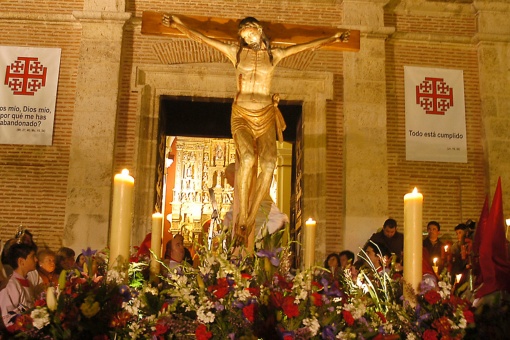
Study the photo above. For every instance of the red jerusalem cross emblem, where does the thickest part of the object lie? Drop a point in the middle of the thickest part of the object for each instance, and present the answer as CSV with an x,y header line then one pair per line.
x,y
434,96
25,76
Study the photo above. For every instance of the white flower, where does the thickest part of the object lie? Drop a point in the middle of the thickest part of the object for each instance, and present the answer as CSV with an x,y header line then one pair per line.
x,y
205,316
313,325
411,336
41,317
115,276
345,335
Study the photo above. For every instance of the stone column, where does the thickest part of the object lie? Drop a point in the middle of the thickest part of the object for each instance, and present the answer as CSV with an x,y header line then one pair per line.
x,y
94,125
365,161
493,43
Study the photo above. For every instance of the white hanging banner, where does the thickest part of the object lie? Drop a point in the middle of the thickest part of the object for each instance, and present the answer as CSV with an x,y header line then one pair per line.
x,y
435,115
28,94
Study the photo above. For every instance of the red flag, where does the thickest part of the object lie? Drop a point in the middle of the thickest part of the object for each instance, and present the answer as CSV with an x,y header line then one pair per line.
x,y
477,240
494,263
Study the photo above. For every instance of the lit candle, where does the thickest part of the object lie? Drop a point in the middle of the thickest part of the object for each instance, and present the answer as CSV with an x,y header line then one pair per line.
x,y
157,226
309,256
435,267
446,248
413,205
122,219
458,277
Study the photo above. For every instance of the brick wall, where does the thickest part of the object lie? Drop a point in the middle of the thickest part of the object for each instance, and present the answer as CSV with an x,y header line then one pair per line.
x,y
33,178
453,192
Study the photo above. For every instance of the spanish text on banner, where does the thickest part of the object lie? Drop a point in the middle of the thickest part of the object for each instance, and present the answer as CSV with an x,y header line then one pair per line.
x,y
28,93
435,115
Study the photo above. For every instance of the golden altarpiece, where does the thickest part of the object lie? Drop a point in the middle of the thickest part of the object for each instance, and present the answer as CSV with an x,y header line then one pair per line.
x,y
199,171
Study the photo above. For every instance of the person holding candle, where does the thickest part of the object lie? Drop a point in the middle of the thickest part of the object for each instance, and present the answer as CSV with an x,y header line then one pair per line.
x,y
434,246
391,238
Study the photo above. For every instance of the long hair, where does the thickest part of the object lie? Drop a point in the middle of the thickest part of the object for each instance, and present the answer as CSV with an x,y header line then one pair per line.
x,y
252,22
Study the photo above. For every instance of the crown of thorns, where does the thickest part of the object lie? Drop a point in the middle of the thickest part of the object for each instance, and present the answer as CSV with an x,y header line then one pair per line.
x,y
249,24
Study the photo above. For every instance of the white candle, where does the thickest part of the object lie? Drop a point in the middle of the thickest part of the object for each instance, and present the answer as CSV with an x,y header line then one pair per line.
x,y
157,226
413,205
122,219
309,254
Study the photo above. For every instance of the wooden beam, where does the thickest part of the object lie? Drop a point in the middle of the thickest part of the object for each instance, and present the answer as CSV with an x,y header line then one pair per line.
x,y
226,30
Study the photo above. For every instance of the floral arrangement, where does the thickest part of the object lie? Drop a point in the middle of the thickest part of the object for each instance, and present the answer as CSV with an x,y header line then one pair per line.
x,y
242,297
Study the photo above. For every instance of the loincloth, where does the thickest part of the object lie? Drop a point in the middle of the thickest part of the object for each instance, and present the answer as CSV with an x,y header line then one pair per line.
x,y
258,122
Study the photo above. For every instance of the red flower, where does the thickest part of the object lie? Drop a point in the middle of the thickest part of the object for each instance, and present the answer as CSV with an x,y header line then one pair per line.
x,y
246,276
470,318
430,334
255,291
317,299
288,337
120,319
221,289
40,303
432,297
289,307
201,333
161,329
317,284
282,282
442,325
277,299
381,315
249,312
20,324
348,317
164,306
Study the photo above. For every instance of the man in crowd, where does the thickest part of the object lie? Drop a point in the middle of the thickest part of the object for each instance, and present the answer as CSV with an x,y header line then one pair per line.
x,y
434,245
391,238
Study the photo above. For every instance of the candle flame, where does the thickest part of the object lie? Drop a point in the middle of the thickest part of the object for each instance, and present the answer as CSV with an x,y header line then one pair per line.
x,y
446,248
435,261
310,221
415,190
458,277
125,172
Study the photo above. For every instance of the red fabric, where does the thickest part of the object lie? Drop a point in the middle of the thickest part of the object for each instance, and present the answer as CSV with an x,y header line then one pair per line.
x,y
23,282
481,227
145,247
494,263
426,266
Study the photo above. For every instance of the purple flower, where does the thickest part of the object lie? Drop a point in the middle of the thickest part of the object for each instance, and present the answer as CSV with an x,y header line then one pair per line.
x,y
328,332
88,252
271,255
218,306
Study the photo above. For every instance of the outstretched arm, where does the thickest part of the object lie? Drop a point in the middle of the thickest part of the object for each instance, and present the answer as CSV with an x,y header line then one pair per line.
x,y
280,54
228,50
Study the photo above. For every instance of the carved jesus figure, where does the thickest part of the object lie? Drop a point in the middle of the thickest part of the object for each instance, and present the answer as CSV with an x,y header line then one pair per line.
x,y
255,119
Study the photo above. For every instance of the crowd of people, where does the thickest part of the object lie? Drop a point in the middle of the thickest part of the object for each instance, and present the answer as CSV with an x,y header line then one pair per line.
x,y
26,272
384,252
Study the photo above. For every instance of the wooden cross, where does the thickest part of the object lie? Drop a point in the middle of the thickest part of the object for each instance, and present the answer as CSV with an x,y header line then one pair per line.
x,y
226,30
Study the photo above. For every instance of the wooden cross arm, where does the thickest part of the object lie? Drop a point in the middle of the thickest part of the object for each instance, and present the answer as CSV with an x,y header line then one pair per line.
x,y
226,30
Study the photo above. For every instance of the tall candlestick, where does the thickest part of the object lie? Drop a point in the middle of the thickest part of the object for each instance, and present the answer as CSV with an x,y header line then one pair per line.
x,y
157,226
309,256
413,247
122,219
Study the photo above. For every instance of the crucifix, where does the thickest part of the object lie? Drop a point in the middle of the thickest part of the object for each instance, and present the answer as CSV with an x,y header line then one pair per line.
x,y
256,119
